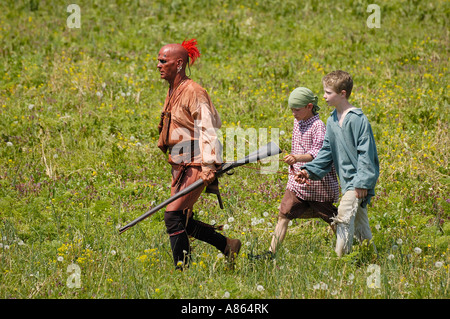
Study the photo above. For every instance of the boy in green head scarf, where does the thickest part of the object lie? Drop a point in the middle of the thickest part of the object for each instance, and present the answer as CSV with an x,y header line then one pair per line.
x,y
313,200
301,97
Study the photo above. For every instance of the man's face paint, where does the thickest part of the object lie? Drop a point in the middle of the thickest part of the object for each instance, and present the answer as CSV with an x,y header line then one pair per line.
x,y
167,64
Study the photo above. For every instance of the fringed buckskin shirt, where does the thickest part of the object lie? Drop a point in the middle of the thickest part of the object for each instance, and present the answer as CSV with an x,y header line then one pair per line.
x,y
189,124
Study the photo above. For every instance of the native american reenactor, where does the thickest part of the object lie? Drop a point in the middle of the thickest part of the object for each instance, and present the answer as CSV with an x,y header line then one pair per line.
x,y
188,132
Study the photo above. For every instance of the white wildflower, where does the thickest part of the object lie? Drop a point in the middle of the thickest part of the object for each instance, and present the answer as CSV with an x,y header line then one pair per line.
x,y
321,285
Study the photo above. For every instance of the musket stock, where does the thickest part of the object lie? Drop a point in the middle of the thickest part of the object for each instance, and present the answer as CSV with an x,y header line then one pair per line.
x,y
268,150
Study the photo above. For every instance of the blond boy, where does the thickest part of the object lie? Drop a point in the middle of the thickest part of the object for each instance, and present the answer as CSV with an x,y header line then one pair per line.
x,y
349,145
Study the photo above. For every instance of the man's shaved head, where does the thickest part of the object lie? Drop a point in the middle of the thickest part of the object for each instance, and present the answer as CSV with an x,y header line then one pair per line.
x,y
173,59
176,51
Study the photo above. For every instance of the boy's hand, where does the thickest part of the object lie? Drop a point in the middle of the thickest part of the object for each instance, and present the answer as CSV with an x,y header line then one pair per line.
x,y
361,193
290,159
302,177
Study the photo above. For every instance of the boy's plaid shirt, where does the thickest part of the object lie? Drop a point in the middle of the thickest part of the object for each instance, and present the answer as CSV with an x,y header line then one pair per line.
x,y
307,138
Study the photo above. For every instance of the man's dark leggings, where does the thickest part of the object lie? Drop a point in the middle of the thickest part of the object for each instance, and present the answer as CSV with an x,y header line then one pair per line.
x,y
179,230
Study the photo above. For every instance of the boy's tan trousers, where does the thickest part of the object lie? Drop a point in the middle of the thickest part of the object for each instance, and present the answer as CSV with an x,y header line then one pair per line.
x,y
351,221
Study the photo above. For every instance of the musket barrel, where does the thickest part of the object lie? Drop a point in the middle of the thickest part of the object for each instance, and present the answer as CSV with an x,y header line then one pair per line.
x,y
268,150
183,192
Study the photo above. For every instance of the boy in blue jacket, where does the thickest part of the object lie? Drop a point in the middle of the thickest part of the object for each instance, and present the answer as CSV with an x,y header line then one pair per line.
x,y
349,145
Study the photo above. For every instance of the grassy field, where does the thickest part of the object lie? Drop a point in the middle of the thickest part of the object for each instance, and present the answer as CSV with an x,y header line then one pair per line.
x,y
79,109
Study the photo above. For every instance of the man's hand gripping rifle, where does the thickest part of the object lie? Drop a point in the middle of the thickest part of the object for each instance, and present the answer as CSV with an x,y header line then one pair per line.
x,y
268,150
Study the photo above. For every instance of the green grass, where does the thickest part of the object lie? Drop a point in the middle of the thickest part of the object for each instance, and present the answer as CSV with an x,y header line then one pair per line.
x,y
79,110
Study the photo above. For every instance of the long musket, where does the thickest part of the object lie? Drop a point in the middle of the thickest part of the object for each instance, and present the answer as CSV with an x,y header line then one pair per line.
x,y
268,150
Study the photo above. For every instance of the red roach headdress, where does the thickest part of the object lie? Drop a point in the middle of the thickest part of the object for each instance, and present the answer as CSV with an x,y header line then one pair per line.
x,y
191,48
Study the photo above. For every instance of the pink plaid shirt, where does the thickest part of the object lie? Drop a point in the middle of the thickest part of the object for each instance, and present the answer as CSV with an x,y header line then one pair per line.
x,y
307,138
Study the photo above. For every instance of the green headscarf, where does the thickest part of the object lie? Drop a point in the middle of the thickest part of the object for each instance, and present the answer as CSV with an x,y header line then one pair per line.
x,y
301,97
